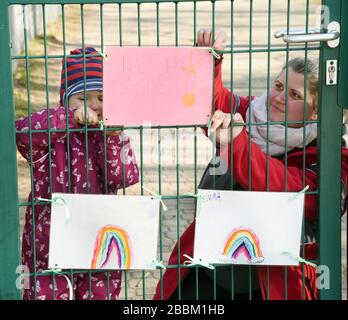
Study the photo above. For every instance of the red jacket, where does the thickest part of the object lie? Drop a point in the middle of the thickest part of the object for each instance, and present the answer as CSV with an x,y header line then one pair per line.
x,y
273,286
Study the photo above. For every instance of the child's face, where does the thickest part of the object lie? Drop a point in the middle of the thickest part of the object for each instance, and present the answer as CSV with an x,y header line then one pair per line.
x,y
94,101
295,91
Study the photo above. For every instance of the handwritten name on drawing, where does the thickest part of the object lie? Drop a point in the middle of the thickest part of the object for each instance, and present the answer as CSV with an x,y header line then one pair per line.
x,y
215,196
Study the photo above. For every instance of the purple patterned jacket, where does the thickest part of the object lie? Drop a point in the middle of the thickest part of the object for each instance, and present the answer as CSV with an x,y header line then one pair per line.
x,y
52,175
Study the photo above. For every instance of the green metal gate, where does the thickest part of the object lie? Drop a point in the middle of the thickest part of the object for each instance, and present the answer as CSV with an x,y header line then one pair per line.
x,y
332,100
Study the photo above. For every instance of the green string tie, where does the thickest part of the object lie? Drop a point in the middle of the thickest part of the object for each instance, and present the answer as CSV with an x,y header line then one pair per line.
x,y
104,55
209,126
60,201
101,125
59,272
194,262
295,196
299,259
158,264
215,53
199,198
157,196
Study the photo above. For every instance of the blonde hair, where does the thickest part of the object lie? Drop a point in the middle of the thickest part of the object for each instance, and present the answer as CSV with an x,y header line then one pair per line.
x,y
301,66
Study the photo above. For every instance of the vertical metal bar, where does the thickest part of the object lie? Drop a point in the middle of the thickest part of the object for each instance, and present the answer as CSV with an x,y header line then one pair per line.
x,y
120,35
249,110
178,207
9,224
101,18
330,115
195,166
231,113
161,211
120,22
176,24
304,153
177,165
104,131
66,103
125,285
159,139
213,146
139,28
195,140
157,25
195,23
123,171
197,282
268,107
249,91
84,91
213,19
213,103
196,191
48,124
142,180
86,126
286,99
286,135
214,283
47,97
268,88
144,284
27,68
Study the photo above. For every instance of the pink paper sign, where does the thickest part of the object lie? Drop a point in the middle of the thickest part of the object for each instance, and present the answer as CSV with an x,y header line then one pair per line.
x,y
163,86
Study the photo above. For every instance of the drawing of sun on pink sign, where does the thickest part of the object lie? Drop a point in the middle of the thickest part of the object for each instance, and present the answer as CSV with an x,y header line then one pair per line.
x,y
243,241
189,97
112,239
157,86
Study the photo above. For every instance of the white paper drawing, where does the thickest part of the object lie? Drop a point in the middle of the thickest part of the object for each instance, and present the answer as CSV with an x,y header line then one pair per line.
x,y
103,232
241,227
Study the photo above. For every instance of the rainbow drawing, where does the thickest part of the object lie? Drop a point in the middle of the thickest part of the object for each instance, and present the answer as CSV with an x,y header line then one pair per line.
x,y
112,238
243,240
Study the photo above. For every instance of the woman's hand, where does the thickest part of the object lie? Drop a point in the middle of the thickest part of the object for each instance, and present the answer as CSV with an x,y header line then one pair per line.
x,y
221,126
91,117
205,39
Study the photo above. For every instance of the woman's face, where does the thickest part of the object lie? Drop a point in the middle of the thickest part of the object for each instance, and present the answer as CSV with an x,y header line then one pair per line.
x,y
295,91
94,101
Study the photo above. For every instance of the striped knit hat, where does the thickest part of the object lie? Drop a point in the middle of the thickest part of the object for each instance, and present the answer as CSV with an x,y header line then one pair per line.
x,y
75,74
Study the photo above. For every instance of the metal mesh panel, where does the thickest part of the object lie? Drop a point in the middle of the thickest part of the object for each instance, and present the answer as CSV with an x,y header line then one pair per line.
x,y
171,159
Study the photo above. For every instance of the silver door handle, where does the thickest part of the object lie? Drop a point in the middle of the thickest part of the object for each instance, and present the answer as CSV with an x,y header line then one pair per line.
x,y
331,35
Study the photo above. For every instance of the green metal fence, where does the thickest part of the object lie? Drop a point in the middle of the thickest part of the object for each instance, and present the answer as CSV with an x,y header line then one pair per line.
x,y
243,48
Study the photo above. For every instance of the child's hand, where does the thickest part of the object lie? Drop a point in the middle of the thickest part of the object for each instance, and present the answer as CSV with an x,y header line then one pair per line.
x,y
79,116
205,39
221,126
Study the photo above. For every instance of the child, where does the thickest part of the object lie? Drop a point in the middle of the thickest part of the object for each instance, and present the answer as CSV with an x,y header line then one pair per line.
x,y
54,157
301,281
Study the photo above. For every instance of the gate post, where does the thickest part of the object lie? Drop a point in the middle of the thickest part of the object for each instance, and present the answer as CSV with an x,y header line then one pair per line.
x,y
342,76
9,225
330,141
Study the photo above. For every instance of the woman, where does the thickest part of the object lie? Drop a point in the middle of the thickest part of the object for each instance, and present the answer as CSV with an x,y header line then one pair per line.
x,y
267,145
